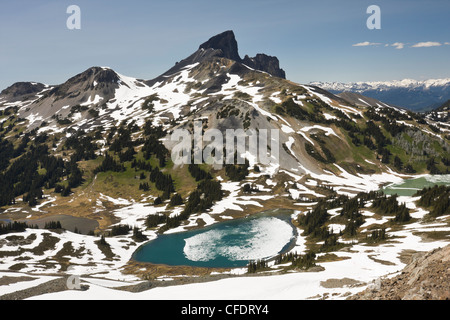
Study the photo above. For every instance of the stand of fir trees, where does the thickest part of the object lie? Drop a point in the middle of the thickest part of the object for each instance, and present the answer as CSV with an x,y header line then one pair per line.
x,y
138,236
376,236
299,261
201,199
15,227
315,222
153,220
32,170
109,164
258,265
52,225
436,199
389,205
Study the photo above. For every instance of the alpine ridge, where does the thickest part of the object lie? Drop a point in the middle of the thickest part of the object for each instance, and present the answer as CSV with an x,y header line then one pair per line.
x,y
87,176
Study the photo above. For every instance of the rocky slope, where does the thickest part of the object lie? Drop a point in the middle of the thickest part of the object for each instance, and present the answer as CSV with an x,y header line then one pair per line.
x,y
97,147
426,277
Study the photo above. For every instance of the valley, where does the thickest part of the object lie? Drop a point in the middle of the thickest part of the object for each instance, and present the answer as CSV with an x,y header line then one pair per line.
x,y
87,178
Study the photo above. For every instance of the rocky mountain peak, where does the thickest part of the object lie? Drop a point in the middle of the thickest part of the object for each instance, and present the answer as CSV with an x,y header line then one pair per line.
x,y
97,74
94,77
228,46
226,42
265,63
22,90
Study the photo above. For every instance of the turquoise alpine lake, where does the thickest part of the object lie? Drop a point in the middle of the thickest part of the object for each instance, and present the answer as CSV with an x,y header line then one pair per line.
x,y
227,244
409,187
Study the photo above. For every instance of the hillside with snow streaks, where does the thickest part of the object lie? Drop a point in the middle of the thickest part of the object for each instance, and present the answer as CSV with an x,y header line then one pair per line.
x,y
95,151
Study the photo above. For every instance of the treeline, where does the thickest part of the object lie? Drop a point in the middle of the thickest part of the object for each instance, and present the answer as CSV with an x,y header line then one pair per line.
x,y
83,146
52,225
314,222
375,134
198,173
153,220
436,198
290,108
377,235
123,146
162,181
300,261
15,227
257,265
153,144
201,199
123,230
34,170
109,164
237,172
390,206
313,152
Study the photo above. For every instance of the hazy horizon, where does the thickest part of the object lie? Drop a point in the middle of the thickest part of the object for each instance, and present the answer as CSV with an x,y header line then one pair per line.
x,y
326,41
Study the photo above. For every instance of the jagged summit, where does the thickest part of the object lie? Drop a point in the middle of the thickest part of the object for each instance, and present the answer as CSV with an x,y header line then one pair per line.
x,y
21,91
226,42
224,45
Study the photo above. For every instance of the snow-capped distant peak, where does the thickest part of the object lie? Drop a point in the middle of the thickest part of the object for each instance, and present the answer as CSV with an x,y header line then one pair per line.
x,y
379,85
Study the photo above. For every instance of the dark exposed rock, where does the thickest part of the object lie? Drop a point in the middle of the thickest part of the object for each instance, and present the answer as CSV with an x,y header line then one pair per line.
x,y
226,42
20,91
224,45
85,80
265,63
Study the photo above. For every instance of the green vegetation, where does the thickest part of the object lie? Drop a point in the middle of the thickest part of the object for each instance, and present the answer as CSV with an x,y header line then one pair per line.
x,y
201,199
436,199
110,164
148,103
228,111
14,227
153,220
53,225
299,261
390,206
258,265
377,235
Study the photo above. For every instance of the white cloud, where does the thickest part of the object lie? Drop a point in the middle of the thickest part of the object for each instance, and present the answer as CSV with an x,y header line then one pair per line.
x,y
401,45
426,44
398,45
365,44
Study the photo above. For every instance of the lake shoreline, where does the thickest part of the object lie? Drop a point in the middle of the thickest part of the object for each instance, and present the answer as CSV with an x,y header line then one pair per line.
x,y
284,214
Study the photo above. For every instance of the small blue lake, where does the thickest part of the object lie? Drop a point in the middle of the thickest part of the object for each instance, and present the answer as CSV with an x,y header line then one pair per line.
x,y
226,244
410,186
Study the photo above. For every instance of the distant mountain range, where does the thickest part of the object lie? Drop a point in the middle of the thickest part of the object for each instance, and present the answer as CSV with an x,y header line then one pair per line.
x,y
411,94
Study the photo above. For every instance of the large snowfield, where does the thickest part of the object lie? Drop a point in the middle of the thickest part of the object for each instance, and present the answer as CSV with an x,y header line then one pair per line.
x,y
356,267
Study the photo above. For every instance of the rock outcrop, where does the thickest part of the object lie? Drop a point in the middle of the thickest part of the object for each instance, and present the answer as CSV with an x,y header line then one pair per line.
x,y
426,277
226,43
265,63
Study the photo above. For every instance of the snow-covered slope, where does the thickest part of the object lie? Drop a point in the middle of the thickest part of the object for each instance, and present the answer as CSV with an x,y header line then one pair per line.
x,y
329,145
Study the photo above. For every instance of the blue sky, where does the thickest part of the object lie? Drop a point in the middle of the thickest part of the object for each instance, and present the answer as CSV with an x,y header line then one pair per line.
x,y
322,40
